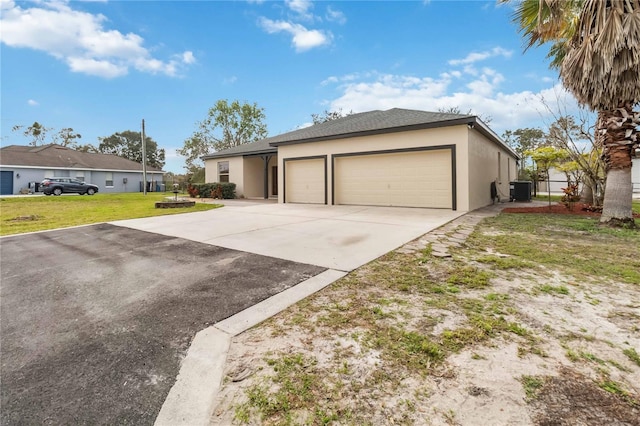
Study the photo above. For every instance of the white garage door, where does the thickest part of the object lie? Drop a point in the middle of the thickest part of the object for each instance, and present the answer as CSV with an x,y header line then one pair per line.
x,y
408,179
305,181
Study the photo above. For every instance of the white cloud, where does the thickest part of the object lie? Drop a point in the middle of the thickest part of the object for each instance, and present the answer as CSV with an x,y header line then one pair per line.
x,y
481,95
188,58
81,40
230,80
335,16
301,8
481,56
32,102
303,38
348,77
100,68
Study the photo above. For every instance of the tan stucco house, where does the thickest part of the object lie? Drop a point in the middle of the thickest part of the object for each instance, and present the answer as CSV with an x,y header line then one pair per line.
x,y
397,157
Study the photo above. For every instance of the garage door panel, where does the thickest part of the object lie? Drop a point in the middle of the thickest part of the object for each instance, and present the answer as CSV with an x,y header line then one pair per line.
x,y
410,179
6,182
305,181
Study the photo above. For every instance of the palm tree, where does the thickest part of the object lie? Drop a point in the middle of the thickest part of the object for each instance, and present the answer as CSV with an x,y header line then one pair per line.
x,y
596,46
602,68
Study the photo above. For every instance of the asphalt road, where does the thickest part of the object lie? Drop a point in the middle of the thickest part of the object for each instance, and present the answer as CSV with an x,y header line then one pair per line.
x,y
95,320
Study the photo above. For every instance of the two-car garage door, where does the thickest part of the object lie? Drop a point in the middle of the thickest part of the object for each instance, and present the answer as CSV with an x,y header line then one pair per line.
x,y
414,178
408,179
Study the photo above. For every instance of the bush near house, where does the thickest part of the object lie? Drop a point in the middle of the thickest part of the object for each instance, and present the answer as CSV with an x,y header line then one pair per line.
x,y
220,190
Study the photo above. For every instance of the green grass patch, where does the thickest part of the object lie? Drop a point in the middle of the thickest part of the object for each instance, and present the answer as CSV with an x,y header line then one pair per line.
x,y
574,244
551,289
545,197
470,277
532,385
632,355
28,214
289,396
504,262
613,387
408,349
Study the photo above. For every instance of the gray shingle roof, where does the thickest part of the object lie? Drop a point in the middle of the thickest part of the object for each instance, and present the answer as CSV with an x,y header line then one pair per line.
x,y
395,119
361,124
257,147
53,155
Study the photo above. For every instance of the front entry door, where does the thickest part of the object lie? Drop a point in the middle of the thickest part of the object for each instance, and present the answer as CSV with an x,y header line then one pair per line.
x,y
274,180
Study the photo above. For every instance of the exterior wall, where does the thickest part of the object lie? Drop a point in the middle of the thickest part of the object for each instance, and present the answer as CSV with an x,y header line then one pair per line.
x,y
454,135
253,178
557,181
236,172
483,168
134,180
28,175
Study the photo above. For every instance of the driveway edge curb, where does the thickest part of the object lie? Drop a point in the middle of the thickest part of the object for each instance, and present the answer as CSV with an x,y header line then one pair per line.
x,y
192,398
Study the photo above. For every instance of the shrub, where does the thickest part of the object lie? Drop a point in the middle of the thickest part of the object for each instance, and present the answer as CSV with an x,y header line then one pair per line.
x,y
570,196
219,190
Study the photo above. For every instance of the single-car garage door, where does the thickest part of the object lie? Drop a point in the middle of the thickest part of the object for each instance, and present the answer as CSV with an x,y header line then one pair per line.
x,y
408,179
305,180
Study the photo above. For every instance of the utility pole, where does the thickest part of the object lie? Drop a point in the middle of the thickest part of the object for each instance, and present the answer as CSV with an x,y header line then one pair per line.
x,y
144,162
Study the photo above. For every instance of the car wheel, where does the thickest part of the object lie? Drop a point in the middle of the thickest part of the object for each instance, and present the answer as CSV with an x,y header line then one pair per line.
x,y
57,191
91,191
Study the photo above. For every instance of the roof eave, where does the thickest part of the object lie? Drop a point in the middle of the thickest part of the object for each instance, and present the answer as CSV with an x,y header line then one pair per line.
x,y
239,154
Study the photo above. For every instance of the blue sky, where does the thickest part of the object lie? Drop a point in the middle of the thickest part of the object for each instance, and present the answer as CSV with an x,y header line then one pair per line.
x,y
102,66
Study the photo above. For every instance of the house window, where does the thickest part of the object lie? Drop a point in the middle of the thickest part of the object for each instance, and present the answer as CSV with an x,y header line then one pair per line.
x,y
499,169
80,176
509,169
108,180
223,171
49,174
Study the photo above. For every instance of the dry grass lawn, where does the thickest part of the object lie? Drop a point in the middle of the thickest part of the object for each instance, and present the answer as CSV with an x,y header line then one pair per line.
x,y
535,319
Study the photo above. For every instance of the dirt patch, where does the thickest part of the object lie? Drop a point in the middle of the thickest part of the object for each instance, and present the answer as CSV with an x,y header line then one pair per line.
x,y
25,218
573,399
578,209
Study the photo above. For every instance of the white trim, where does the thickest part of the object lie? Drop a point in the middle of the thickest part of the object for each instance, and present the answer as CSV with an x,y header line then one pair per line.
x,y
74,168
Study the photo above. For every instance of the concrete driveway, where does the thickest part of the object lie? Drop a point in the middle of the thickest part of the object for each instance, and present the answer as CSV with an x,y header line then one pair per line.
x,y
335,237
95,321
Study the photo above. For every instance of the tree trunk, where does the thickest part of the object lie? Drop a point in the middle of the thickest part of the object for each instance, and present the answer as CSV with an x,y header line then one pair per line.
x,y
619,136
586,196
617,209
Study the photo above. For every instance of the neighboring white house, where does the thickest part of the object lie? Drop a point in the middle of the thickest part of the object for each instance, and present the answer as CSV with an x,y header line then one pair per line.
x,y
22,168
558,180
397,157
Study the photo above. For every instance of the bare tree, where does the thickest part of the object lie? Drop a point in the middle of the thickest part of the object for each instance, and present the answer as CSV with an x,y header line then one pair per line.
x,y
575,134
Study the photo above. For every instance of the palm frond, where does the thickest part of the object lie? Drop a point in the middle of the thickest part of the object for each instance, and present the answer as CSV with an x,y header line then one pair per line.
x,y
602,62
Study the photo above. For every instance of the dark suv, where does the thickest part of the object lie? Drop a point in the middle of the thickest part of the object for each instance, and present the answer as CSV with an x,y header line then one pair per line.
x,y
60,185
